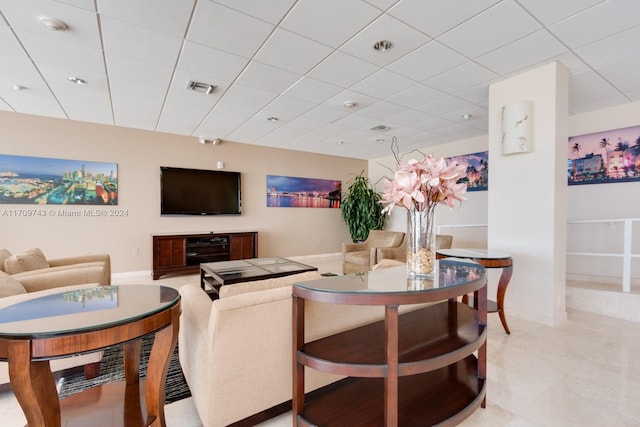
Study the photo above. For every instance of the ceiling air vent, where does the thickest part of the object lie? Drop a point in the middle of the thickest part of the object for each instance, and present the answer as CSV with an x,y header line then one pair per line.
x,y
381,128
201,87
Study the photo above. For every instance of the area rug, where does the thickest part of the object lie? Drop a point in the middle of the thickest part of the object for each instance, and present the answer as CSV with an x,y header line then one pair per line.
x,y
112,369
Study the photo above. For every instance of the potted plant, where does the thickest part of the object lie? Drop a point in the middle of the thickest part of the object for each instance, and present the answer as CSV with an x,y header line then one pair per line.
x,y
361,208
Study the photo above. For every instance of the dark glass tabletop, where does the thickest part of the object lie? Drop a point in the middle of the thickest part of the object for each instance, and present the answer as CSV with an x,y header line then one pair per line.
x,y
473,253
84,309
450,272
254,268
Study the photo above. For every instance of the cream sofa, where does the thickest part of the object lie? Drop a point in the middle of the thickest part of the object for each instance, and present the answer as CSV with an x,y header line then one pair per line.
x,y
236,351
91,360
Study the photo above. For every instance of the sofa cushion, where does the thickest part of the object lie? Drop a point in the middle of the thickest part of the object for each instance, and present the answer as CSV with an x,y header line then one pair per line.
x,y
32,259
4,254
10,286
261,285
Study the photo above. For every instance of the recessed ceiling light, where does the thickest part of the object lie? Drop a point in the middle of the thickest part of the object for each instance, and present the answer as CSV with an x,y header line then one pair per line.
x,y
53,24
273,119
466,116
382,45
349,104
381,128
380,140
339,142
17,87
77,80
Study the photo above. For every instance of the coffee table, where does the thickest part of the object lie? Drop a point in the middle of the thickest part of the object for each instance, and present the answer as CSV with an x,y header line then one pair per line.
x,y
217,274
37,330
488,259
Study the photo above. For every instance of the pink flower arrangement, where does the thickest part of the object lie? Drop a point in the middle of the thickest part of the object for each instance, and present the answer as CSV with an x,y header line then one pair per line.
x,y
422,185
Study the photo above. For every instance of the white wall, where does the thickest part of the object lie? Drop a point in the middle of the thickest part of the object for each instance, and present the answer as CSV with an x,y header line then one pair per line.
x,y
139,155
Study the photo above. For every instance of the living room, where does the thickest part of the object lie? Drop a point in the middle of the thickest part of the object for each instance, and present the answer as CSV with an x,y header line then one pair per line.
x,y
317,233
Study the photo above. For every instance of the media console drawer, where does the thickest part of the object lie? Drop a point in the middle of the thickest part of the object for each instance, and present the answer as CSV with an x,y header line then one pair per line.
x,y
183,253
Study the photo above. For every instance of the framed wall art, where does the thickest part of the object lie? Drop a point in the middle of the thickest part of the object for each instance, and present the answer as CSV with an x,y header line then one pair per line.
x,y
294,192
477,178
48,181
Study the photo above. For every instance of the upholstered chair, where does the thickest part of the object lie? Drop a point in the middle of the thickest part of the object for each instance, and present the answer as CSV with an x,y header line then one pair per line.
x,y
392,257
359,257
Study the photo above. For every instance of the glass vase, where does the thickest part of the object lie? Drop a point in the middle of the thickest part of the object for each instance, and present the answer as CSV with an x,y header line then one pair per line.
x,y
421,243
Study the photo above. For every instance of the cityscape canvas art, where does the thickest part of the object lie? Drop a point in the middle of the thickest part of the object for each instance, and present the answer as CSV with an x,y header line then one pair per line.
x,y
604,157
48,181
294,192
477,178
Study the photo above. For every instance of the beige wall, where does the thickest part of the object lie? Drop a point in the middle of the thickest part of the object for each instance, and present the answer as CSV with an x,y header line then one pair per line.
x,y
139,155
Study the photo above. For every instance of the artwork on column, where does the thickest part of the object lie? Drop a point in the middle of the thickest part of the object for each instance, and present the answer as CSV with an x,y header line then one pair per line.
x,y
48,181
604,157
477,178
294,192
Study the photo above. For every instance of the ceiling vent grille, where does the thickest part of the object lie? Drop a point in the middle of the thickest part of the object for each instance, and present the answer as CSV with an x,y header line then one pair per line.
x,y
201,87
381,128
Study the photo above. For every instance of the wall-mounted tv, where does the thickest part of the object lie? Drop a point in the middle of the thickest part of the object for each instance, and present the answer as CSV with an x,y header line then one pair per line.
x,y
199,192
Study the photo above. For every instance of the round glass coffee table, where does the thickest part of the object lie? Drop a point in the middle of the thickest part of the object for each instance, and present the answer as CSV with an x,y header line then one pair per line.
x,y
488,259
63,324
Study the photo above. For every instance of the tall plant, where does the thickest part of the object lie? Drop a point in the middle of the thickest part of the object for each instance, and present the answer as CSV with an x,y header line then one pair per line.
x,y
361,208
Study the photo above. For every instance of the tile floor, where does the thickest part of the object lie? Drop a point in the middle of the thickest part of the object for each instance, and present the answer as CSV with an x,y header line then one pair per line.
x,y
581,373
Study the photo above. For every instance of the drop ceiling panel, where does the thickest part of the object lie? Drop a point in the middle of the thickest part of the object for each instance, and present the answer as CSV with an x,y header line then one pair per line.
x,y
135,111
405,39
9,45
381,110
603,20
342,70
347,18
323,115
462,77
427,61
135,71
493,28
551,11
532,49
218,26
211,62
361,100
271,11
434,17
612,49
169,16
78,58
289,106
292,52
415,96
266,77
382,84
312,90
140,43
24,16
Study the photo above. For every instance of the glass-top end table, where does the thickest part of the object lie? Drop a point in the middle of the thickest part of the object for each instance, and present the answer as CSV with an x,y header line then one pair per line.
x,y
64,324
489,259
450,274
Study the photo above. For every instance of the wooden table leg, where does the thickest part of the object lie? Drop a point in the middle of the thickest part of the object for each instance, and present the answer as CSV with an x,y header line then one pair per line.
x,y
505,277
163,347
33,385
392,358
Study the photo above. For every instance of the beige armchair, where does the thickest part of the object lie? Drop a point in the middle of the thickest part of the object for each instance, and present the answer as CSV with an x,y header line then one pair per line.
x,y
391,257
36,273
358,257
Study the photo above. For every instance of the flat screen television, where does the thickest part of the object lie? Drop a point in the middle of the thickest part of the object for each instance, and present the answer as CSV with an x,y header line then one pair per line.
x,y
199,192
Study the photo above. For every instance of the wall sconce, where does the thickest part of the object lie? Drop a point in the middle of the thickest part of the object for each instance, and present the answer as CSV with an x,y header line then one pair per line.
x,y
516,128
220,165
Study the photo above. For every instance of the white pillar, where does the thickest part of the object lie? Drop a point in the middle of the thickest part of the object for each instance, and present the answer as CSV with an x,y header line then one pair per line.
x,y
527,193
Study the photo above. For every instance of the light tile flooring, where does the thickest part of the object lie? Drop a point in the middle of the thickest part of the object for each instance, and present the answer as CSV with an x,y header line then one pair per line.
x,y
581,373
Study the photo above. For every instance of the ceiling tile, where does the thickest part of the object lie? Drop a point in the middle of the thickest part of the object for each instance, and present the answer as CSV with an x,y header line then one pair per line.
x,y
309,19
442,106
598,22
220,27
551,11
342,70
612,49
361,100
308,89
211,62
405,39
169,17
520,54
135,111
434,17
381,110
416,95
324,115
289,106
271,11
427,61
136,71
493,28
266,77
140,43
462,77
382,84
292,52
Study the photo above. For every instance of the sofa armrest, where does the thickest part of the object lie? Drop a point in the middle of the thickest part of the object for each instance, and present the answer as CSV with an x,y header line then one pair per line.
x,y
398,253
353,247
82,259
65,275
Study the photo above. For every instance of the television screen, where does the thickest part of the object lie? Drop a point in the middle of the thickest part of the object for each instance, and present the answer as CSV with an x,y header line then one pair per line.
x,y
199,192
